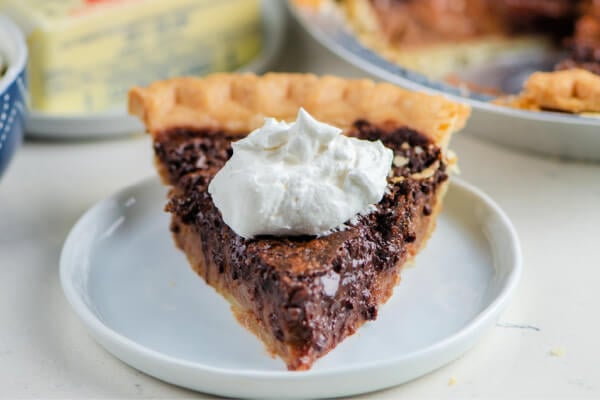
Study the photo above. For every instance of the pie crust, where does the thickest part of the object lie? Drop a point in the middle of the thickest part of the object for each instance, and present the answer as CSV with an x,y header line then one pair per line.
x,y
573,90
239,103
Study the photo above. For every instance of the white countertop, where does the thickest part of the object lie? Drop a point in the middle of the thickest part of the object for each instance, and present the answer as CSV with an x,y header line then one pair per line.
x,y
555,206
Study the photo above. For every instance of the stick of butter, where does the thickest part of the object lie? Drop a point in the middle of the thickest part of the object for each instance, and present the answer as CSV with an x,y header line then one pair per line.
x,y
86,54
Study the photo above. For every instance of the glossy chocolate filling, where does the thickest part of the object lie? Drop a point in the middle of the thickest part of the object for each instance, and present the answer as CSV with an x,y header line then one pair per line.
x,y
308,292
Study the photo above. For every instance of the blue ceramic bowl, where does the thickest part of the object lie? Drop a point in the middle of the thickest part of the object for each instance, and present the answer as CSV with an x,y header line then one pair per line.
x,y
13,93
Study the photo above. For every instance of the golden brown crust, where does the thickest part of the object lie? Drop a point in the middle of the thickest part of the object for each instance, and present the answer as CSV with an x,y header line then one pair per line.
x,y
238,103
572,90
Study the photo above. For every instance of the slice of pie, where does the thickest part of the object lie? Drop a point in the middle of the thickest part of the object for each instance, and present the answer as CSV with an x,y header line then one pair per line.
x,y
300,295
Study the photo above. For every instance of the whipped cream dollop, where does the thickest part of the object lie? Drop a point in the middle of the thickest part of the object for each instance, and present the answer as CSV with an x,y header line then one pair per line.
x,y
300,178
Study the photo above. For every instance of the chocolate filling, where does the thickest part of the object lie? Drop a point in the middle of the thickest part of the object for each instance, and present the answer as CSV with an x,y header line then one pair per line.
x,y
574,23
585,45
425,21
310,292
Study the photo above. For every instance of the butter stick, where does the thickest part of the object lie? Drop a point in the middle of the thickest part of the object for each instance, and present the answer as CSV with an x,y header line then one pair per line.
x,y
86,54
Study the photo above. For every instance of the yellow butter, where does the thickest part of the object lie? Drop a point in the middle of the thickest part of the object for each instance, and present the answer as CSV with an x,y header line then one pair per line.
x,y
86,54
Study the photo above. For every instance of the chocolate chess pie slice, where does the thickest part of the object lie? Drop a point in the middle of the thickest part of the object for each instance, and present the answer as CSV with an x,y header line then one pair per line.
x,y
301,295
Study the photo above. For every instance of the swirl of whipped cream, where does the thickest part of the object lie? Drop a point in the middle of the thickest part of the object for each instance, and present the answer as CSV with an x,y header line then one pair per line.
x,y
300,178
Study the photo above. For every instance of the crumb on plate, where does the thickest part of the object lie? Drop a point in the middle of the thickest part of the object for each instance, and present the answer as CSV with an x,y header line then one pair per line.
x,y
557,352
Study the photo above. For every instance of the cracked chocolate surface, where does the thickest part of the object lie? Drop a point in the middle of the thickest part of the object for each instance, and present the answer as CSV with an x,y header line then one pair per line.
x,y
310,292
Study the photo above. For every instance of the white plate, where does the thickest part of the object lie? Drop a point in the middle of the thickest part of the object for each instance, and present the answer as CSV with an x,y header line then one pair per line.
x,y
550,133
139,299
118,123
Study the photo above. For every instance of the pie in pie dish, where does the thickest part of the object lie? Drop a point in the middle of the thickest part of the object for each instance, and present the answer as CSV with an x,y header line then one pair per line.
x,y
440,38
301,295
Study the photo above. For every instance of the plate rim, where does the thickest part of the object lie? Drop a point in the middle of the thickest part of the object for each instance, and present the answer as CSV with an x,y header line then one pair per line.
x,y
105,334
376,70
